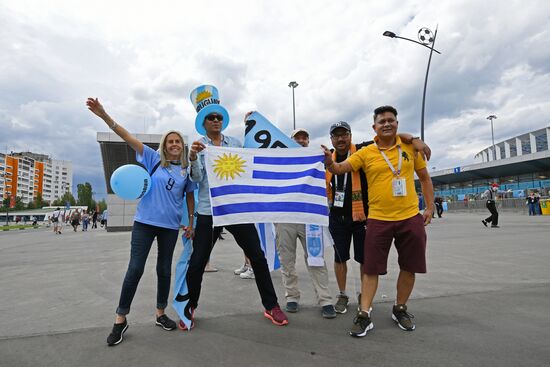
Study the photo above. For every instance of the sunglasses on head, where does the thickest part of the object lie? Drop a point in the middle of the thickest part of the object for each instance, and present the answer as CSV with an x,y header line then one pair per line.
x,y
214,116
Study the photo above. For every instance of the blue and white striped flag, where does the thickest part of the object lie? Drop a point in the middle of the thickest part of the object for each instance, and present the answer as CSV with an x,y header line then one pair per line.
x,y
266,185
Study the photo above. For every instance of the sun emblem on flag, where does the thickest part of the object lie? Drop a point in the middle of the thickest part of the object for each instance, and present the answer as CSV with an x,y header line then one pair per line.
x,y
228,165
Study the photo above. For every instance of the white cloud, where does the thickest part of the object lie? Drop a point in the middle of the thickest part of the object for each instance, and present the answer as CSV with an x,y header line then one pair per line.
x,y
142,59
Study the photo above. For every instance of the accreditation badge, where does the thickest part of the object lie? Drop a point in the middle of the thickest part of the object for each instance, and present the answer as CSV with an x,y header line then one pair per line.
x,y
399,186
339,199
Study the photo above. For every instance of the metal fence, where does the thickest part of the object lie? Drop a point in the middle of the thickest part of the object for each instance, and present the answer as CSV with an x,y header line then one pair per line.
x,y
511,205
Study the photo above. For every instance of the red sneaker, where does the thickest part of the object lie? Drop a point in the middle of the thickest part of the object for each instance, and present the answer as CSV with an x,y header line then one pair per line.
x,y
183,327
277,316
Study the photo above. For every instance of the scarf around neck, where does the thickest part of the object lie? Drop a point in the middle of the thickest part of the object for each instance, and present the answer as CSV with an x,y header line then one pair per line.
x,y
357,210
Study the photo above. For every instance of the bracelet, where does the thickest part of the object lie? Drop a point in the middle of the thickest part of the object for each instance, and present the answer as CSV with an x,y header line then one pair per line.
x,y
191,215
114,126
415,137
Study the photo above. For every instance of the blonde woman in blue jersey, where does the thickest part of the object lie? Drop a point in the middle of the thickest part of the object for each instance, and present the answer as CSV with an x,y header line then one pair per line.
x,y
158,215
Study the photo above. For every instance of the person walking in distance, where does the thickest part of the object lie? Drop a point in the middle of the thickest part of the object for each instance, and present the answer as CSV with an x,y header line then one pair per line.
x,y
491,196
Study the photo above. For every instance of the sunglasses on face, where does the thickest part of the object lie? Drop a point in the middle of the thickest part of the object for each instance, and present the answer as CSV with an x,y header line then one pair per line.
x,y
213,117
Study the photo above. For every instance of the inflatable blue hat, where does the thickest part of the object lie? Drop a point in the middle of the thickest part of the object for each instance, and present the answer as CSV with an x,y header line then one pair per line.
x,y
206,100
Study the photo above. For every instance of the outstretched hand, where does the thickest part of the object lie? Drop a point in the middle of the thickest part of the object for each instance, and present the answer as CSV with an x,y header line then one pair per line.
x,y
328,156
96,107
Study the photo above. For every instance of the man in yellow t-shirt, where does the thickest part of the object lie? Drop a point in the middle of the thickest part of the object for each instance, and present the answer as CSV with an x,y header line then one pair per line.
x,y
393,214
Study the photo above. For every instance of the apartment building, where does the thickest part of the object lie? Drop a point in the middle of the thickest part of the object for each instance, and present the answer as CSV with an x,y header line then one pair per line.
x,y
27,174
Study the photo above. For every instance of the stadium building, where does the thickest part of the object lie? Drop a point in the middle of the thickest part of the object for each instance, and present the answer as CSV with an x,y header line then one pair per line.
x,y
518,165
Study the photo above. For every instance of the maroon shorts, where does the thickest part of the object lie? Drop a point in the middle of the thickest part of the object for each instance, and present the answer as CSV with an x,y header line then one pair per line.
x,y
410,242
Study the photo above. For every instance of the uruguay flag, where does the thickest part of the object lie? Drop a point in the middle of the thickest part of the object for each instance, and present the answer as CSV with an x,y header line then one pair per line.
x,y
266,185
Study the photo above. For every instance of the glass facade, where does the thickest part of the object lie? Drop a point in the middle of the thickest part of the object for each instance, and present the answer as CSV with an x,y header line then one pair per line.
x,y
513,148
525,144
541,140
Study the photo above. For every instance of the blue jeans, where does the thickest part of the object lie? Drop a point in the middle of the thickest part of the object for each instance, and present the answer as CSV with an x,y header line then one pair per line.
x,y
142,240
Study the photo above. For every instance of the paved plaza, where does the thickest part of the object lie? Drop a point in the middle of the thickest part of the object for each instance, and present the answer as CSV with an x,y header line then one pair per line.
x,y
482,303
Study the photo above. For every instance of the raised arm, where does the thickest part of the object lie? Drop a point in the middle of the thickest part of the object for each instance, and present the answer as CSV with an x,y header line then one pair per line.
x,y
428,192
197,173
97,108
333,167
418,145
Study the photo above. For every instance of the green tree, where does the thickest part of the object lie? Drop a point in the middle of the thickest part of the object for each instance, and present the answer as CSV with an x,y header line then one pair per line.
x,y
84,193
19,205
102,205
5,205
39,201
62,200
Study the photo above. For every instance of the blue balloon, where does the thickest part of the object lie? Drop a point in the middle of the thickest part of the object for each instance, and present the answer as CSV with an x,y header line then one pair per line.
x,y
130,182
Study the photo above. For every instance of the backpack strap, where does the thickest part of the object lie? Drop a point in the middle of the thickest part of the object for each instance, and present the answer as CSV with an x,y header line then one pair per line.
x,y
154,168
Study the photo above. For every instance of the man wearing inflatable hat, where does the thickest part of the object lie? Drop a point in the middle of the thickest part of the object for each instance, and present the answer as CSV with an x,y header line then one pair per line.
x,y
212,119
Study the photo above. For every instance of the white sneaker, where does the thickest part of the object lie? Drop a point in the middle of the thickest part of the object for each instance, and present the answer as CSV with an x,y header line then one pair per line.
x,y
241,270
248,274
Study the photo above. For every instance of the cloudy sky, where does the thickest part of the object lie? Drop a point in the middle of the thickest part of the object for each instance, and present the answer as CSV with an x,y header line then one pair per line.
x,y
143,58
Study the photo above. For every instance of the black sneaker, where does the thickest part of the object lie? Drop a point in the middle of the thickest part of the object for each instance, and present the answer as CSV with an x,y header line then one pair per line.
x,y
116,334
341,305
164,322
328,312
403,318
361,325
484,222
495,226
292,307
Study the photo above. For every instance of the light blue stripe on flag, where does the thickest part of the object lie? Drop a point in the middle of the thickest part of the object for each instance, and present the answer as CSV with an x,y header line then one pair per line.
x,y
268,175
269,207
267,190
288,160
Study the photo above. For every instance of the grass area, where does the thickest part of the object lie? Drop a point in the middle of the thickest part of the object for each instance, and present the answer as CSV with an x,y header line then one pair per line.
x,y
15,226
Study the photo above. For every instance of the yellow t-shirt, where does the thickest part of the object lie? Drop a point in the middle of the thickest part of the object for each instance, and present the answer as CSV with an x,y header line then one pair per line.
x,y
382,204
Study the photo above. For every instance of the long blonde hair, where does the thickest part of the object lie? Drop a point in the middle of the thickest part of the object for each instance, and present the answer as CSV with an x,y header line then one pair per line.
x,y
183,158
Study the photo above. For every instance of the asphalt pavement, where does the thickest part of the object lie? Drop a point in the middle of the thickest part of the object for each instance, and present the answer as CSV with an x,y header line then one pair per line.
x,y
482,303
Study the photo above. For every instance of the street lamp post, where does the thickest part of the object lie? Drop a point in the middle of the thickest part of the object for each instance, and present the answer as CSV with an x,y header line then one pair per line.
x,y
8,200
491,118
293,85
426,40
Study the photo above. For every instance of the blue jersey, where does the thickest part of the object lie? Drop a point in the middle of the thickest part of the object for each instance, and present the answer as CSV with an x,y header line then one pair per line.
x,y
162,206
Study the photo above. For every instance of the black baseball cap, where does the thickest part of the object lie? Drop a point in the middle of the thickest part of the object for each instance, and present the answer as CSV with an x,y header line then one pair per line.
x,y
342,124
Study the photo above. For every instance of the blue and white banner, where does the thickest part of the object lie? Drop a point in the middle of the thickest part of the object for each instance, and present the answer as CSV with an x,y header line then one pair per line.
x,y
266,185
317,238
267,235
261,133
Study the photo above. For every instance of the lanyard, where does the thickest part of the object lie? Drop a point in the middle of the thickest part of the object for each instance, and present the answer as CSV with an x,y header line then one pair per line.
x,y
345,179
399,162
